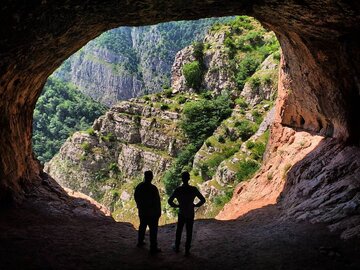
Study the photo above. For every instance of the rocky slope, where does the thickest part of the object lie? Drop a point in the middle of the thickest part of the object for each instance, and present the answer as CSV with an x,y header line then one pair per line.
x,y
231,53
309,176
240,141
130,61
107,161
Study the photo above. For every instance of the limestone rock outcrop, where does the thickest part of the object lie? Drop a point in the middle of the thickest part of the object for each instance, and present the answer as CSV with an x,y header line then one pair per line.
x,y
108,160
127,62
125,133
263,84
219,76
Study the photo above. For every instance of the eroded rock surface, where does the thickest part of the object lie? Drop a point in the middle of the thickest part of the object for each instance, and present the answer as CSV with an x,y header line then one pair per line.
x,y
310,177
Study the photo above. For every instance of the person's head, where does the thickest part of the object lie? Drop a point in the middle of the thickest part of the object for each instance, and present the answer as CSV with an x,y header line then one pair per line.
x,y
185,176
148,176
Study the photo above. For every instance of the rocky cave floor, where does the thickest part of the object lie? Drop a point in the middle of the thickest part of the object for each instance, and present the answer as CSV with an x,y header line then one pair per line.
x,y
33,238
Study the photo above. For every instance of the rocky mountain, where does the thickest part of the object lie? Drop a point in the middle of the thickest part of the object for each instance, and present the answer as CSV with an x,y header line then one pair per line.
x,y
107,161
130,61
217,133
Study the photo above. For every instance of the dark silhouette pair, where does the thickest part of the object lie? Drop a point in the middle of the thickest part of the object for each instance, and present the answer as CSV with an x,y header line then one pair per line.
x,y
148,203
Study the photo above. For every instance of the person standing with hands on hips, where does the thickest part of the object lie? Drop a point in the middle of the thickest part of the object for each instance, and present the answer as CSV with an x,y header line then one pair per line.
x,y
185,195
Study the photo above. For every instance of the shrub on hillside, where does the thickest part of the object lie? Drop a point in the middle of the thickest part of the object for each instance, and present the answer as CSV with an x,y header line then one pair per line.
x,y
246,169
246,129
202,117
193,74
168,92
258,150
164,107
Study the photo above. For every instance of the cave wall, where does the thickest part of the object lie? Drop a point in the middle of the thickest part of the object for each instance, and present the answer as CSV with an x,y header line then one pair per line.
x,y
320,68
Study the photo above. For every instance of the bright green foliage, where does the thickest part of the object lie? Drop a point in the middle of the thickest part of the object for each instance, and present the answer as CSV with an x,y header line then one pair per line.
x,y
258,151
246,169
223,199
247,44
183,162
86,147
109,137
60,111
164,107
246,129
257,117
193,74
208,168
241,102
113,167
198,51
181,99
247,67
90,131
168,92
194,71
201,118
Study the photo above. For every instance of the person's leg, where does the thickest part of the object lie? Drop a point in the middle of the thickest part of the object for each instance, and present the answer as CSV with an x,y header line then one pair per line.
x,y
153,225
141,232
179,228
189,230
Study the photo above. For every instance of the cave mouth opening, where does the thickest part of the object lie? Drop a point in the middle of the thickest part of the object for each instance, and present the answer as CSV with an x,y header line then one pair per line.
x,y
235,53
313,49
318,80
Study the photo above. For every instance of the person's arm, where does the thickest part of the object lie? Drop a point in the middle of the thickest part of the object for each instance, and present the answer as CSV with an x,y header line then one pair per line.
x,y
158,202
136,196
171,200
201,198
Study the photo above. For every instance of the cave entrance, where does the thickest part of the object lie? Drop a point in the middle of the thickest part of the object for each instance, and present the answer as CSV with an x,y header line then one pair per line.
x,y
316,95
170,94
319,93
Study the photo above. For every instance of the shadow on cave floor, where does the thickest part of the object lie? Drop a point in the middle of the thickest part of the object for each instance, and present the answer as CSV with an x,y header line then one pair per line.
x,y
258,240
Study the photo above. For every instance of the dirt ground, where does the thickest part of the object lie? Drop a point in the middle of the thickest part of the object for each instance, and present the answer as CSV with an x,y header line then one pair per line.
x,y
34,239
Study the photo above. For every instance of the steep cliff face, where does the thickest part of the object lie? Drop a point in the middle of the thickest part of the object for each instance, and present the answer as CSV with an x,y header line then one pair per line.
x,y
107,161
130,61
231,53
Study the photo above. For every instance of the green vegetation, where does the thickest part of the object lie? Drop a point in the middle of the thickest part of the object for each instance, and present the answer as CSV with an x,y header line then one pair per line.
x,y
200,119
109,137
209,127
194,71
247,44
168,92
246,169
60,111
257,150
246,129
193,74
86,147
182,163
90,131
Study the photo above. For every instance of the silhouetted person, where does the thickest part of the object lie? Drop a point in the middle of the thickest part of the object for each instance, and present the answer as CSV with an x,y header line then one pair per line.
x,y
148,203
185,195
